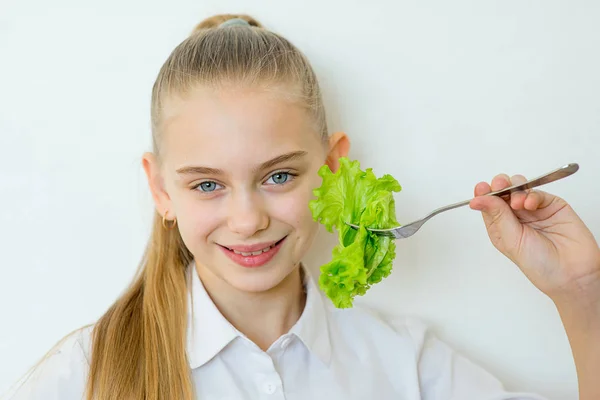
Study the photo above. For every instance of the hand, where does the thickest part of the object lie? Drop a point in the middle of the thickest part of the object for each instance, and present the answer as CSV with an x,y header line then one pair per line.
x,y
543,236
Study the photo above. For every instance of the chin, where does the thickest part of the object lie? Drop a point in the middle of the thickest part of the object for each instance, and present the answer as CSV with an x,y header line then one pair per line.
x,y
259,280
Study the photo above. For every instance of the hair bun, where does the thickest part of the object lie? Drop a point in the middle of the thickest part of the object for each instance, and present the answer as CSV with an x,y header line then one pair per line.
x,y
216,21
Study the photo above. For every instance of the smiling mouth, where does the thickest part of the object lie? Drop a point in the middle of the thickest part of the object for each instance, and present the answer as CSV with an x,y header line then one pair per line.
x,y
254,253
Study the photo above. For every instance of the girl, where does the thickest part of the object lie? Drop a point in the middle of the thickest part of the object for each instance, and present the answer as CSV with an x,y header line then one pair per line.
x,y
222,307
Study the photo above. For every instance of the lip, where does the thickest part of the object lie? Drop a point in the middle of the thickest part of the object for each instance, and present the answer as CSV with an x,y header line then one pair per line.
x,y
253,247
253,261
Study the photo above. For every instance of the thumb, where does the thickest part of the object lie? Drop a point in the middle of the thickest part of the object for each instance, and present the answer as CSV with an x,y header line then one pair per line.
x,y
502,225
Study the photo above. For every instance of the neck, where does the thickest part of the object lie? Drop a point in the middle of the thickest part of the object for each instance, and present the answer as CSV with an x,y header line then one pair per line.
x,y
264,316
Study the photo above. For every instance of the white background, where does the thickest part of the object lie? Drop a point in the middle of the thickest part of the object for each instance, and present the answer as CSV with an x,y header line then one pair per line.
x,y
439,94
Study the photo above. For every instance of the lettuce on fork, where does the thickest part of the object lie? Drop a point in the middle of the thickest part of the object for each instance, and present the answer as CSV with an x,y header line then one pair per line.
x,y
361,258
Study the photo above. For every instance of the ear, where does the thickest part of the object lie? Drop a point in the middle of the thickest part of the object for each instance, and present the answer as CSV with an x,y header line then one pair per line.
x,y
339,146
162,201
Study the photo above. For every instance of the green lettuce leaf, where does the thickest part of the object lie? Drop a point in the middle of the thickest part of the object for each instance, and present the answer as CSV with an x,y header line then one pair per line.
x,y
361,258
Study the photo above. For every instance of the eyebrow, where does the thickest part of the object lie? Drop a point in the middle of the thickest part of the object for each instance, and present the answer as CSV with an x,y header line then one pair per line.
x,y
294,155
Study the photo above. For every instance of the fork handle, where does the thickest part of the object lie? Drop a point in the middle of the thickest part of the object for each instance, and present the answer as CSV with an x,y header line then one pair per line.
x,y
551,176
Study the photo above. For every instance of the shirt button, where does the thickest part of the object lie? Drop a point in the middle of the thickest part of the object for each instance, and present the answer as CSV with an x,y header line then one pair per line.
x,y
286,342
269,388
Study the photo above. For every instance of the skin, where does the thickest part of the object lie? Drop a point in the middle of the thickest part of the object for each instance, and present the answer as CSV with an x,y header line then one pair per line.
x,y
237,131
548,241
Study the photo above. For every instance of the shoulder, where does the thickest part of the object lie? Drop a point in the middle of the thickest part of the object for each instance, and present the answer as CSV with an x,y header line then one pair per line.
x,y
369,317
407,345
368,324
61,373
75,346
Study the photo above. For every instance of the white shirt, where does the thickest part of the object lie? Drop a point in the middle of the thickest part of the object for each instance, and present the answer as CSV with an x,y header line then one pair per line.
x,y
329,354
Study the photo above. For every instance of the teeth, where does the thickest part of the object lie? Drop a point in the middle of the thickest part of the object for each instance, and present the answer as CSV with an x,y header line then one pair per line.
x,y
253,253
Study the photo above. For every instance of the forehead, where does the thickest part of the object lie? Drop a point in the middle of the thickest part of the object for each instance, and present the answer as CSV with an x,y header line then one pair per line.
x,y
235,126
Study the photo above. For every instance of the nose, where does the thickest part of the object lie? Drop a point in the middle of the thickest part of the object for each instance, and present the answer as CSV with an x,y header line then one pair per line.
x,y
247,214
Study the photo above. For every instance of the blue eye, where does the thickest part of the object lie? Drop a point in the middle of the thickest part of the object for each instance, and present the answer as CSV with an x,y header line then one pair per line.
x,y
207,186
279,178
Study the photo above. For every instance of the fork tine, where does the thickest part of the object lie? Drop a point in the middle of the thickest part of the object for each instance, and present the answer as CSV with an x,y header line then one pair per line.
x,y
386,233
379,232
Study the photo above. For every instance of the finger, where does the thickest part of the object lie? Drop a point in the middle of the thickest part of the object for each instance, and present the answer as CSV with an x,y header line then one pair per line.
x,y
500,182
532,201
503,227
517,199
499,219
537,199
481,189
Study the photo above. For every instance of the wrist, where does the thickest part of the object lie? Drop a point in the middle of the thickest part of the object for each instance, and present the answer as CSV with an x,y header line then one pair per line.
x,y
579,306
581,292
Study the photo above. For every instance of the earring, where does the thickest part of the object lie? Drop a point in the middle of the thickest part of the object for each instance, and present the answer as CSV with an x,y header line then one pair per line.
x,y
164,222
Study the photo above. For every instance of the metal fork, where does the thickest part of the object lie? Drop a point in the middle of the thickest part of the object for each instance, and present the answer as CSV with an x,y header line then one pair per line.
x,y
408,230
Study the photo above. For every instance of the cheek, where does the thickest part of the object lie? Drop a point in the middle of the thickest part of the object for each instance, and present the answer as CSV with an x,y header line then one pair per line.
x,y
196,218
294,212
292,207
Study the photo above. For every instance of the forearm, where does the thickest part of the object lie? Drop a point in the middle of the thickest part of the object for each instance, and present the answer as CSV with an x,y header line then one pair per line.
x,y
581,318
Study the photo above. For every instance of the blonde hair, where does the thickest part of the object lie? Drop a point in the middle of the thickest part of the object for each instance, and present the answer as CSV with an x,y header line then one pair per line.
x,y
138,346
236,57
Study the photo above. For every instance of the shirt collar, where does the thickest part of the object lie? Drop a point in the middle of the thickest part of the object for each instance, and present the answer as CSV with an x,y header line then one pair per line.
x,y
312,326
209,332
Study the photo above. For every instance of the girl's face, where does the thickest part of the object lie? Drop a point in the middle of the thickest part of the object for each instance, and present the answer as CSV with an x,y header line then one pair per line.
x,y
238,169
